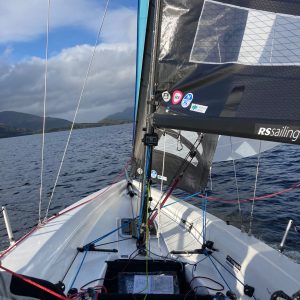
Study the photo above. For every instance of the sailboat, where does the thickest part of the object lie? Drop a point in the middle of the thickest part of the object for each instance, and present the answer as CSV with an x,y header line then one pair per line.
x,y
204,69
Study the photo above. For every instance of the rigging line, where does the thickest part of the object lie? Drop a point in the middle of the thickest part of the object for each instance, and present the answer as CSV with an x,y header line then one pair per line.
x,y
161,188
79,268
147,241
147,162
236,185
204,204
163,163
78,104
44,110
210,179
182,167
254,192
219,273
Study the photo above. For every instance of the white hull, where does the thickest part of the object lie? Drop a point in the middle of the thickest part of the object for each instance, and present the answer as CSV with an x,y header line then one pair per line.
x,y
50,252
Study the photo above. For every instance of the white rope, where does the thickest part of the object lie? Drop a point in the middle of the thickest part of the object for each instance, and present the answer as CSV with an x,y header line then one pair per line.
x,y
78,105
236,185
210,178
254,193
163,166
44,113
161,191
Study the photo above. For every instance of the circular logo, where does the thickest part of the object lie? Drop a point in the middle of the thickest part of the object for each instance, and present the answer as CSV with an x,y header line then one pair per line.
x,y
139,171
153,174
177,97
187,100
166,96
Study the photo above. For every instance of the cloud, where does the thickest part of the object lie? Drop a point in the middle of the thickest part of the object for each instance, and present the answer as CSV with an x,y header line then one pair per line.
x,y
110,86
22,21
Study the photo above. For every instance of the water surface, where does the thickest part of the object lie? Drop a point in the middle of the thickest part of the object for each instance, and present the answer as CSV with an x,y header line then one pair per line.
x,y
96,156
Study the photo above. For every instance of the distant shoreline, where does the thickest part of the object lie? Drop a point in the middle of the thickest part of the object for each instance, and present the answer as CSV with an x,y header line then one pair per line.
x,y
8,132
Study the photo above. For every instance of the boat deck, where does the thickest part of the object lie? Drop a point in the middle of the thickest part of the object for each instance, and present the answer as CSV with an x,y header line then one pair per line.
x,y
233,261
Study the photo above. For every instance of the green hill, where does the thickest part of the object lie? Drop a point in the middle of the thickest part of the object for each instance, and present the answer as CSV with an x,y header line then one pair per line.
x,y
30,122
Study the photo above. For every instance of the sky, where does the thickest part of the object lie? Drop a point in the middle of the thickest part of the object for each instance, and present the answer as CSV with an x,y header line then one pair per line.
x,y
73,29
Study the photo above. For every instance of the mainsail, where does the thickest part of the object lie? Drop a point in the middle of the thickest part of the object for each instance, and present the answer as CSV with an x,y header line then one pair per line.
x,y
168,163
230,67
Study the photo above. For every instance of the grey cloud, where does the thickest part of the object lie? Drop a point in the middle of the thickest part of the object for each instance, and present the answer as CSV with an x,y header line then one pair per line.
x,y
110,87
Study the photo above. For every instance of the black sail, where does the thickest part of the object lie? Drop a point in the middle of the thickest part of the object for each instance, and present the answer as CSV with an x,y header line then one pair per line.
x,y
174,159
230,67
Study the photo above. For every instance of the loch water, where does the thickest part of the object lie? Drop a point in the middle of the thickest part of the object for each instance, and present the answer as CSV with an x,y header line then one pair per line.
x,y
97,155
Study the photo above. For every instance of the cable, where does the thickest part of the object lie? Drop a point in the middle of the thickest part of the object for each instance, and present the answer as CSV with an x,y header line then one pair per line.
x,y
196,264
204,203
221,286
219,272
75,277
236,185
183,166
117,241
254,192
228,270
78,105
44,111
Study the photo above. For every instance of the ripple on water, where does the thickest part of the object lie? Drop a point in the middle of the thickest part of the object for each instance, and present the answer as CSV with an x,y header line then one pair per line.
x,y
97,155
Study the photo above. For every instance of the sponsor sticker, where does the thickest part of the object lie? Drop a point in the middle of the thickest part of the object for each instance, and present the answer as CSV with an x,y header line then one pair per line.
x,y
166,96
177,97
153,174
198,108
187,100
160,177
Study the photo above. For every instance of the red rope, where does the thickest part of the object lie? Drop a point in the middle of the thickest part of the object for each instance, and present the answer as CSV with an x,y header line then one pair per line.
x,y
152,218
251,199
41,287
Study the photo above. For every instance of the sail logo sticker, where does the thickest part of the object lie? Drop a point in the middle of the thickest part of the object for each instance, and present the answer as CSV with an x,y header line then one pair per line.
x,y
199,108
177,97
153,174
163,178
286,132
166,96
187,100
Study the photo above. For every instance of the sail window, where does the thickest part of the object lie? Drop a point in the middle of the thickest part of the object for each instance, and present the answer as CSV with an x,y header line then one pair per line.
x,y
233,34
171,146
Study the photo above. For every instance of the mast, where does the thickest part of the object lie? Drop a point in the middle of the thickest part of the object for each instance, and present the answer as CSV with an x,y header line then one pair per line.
x,y
150,138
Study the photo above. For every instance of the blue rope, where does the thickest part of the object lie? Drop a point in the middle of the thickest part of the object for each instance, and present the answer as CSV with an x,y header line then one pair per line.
x,y
85,248
145,189
102,237
84,256
204,205
183,199
219,272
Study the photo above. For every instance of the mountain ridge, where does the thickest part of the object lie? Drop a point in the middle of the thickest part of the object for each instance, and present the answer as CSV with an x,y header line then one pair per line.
x,y
14,123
